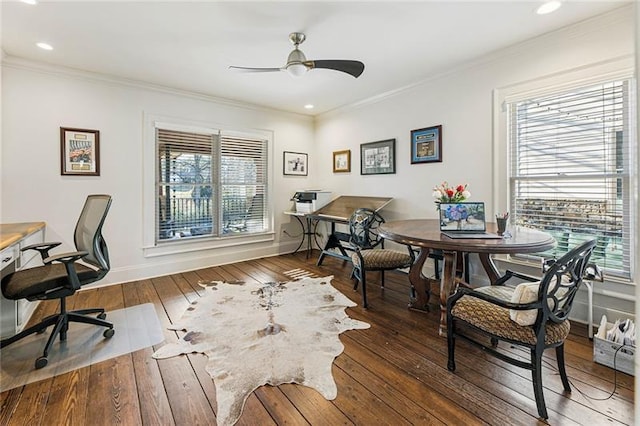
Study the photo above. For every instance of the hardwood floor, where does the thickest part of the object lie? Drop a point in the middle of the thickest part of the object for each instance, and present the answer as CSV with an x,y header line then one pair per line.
x,y
393,373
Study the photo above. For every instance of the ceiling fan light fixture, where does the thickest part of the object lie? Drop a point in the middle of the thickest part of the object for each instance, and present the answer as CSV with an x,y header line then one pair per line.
x,y
297,69
298,65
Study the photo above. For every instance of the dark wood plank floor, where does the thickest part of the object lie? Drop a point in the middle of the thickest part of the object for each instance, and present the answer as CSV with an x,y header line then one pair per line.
x,y
393,373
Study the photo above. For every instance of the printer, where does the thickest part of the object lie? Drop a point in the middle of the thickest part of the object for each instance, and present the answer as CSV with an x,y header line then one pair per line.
x,y
310,200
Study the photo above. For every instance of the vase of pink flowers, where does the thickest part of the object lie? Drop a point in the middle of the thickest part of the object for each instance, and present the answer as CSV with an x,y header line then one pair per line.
x,y
444,193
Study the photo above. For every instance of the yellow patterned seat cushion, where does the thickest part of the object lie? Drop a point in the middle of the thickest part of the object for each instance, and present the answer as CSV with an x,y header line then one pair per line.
x,y
495,319
382,259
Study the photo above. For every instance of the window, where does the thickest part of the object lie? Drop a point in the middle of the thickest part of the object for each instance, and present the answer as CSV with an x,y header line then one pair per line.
x,y
570,169
209,184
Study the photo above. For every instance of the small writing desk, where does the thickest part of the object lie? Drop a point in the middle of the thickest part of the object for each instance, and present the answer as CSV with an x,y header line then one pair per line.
x,y
339,211
425,234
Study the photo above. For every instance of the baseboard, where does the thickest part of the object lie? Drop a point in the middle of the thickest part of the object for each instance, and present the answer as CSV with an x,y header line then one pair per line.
x,y
162,267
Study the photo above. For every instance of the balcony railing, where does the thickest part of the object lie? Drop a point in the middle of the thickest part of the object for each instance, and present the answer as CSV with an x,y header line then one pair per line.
x,y
191,216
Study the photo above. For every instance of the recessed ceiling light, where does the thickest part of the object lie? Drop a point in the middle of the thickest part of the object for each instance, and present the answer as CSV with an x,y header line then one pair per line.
x,y
44,46
548,7
29,1
308,106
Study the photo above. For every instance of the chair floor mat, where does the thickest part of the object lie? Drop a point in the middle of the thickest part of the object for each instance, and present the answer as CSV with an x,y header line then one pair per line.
x,y
136,328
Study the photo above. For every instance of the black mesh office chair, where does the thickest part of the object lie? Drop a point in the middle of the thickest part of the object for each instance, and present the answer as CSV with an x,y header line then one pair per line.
x,y
62,275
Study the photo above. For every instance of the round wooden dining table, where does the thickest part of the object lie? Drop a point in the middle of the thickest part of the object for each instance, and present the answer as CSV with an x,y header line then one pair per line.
x,y
425,234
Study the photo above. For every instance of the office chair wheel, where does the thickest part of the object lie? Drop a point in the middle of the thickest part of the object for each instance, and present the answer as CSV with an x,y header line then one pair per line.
x,y
109,332
102,315
41,362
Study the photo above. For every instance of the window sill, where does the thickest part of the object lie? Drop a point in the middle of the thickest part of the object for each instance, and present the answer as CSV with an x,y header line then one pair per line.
x,y
186,246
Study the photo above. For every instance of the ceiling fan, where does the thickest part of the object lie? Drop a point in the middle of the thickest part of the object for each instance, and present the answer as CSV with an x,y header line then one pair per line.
x,y
297,64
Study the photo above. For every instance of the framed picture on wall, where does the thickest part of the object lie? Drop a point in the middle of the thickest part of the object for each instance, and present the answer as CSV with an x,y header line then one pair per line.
x,y
342,161
426,145
295,163
378,157
79,152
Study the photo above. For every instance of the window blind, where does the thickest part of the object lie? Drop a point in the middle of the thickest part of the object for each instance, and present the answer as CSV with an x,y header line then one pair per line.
x,y
243,177
569,170
208,185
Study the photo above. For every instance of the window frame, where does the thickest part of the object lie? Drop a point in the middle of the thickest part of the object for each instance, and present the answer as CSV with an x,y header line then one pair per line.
x,y
617,69
151,248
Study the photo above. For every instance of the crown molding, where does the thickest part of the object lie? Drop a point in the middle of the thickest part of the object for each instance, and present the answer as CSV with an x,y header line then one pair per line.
x,y
9,61
573,31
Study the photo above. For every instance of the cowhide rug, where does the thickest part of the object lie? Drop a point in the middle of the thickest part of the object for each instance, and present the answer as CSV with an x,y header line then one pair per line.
x,y
257,334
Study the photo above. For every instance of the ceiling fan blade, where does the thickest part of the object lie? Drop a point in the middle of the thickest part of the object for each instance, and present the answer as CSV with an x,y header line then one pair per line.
x,y
251,69
354,68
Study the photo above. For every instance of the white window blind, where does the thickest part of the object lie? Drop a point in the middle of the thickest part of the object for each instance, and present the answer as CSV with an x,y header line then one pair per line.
x,y
209,185
243,177
570,168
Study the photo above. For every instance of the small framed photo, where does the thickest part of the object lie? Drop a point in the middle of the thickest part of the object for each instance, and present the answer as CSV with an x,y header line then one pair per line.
x,y
378,157
426,145
79,152
342,161
295,163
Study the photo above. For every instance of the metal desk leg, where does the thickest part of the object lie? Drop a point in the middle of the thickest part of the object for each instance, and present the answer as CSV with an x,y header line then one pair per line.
x,y
303,233
308,232
333,242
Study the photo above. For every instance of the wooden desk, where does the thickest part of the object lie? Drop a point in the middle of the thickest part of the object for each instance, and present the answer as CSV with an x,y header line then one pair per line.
x,y
425,233
11,233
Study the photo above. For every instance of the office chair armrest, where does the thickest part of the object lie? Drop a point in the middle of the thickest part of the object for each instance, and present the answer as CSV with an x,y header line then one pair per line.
x,y
69,260
43,248
66,258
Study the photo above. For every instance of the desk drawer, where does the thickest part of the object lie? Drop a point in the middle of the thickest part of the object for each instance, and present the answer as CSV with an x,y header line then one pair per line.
x,y
8,257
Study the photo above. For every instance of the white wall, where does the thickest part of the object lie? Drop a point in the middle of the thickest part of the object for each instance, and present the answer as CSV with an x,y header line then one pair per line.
x,y
38,100
461,101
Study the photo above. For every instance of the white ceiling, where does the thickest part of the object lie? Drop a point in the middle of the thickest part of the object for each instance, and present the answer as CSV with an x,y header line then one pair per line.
x,y
190,45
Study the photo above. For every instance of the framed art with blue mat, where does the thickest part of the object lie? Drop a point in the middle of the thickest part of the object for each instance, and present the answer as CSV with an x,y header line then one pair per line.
x,y
426,145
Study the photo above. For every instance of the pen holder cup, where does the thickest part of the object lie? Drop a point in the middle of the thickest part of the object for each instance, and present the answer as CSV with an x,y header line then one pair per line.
x,y
502,225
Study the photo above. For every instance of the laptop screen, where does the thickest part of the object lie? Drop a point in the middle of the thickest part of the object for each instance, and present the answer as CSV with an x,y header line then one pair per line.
x,y
462,217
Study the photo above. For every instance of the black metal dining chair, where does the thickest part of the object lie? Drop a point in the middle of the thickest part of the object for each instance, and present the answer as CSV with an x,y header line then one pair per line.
x,y
501,313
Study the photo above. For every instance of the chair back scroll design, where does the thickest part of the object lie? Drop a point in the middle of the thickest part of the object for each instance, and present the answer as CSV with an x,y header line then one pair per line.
x,y
363,229
560,284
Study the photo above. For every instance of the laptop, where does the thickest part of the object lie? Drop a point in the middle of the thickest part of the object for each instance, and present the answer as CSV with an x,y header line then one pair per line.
x,y
464,220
